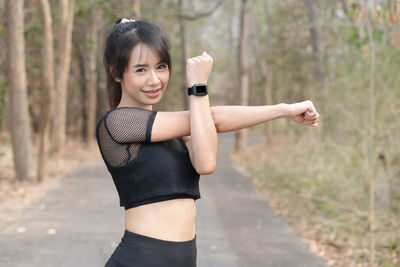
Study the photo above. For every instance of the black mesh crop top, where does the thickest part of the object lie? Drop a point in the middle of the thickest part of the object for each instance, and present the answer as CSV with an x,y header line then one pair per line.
x,y
144,172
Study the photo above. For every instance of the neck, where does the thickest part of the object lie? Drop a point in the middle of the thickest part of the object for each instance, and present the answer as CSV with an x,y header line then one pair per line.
x,y
130,103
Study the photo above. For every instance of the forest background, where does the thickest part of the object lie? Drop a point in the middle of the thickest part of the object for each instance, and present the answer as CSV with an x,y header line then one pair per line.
x,y
337,185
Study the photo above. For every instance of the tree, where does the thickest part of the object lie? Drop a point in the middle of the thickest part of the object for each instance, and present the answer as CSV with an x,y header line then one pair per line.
x,y
48,86
90,64
184,44
60,114
184,48
17,82
137,9
243,66
315,40
266,70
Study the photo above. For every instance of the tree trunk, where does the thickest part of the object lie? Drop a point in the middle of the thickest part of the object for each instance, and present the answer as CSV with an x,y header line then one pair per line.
x,y
184,56
241,135
48,87
137,9
91,75
266,70
315,40
60,109
319,72
102,100
17,82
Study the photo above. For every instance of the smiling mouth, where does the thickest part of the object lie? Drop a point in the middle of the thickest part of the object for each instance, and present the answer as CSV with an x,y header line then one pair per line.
x,y
152,91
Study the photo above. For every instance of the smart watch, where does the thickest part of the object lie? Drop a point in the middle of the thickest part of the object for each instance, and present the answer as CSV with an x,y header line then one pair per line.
x,y
199,89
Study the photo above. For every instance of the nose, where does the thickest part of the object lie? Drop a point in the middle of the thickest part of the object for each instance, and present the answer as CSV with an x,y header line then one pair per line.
x,y
154,79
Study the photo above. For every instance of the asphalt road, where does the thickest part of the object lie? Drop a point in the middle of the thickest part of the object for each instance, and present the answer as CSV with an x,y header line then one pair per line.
x,y
79,223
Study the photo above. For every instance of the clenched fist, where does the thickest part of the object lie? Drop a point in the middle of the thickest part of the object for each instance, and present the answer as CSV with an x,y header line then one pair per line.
x,y
198,69
304,112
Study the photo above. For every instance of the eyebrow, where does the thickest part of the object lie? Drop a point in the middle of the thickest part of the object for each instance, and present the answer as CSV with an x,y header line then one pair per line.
x,y
145,65
140,65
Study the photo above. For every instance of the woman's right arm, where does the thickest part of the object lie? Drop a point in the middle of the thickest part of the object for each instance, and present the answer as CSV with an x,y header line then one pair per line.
x,y
233,118
170,125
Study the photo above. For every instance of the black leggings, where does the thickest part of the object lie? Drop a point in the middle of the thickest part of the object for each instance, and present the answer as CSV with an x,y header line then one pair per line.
x,y
137,250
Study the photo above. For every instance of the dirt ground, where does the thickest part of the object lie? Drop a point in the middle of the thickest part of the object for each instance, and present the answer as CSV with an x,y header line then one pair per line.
x,y
15,196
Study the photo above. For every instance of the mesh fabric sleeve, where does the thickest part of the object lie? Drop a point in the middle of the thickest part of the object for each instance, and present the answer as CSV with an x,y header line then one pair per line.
x,y
130,125
121,132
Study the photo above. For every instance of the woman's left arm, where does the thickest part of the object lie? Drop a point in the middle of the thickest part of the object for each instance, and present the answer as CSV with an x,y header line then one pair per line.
x,y
203,143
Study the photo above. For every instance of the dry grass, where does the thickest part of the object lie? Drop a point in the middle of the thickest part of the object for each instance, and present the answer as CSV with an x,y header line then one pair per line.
x,y
319,202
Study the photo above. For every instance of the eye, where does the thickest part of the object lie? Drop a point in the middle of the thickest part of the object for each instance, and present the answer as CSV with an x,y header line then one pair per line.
x,y
140,70
162,66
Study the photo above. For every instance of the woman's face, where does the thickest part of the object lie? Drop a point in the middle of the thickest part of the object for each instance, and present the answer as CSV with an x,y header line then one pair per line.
x,y
145,79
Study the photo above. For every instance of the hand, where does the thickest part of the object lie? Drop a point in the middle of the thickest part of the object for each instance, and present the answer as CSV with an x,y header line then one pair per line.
x,y
198,69
304,112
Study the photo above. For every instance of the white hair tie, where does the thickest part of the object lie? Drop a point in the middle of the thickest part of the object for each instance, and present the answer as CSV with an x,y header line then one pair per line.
x,y
124,20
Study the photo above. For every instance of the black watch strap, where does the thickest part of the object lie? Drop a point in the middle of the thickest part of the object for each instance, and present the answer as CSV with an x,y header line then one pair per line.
x,y
199,89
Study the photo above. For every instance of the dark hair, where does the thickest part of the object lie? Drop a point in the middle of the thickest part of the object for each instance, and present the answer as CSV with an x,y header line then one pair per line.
x,y
119,44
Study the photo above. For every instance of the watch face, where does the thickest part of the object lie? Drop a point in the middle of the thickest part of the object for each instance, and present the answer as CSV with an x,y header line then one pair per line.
x,y
201,89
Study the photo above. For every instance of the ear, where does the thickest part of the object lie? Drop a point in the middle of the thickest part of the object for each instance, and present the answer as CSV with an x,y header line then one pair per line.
x,y
115,77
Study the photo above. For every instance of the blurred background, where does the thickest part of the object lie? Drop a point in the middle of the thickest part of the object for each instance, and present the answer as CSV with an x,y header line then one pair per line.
x,y
338,185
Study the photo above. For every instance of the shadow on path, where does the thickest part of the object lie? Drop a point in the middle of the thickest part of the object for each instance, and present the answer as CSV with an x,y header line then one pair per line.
x,y
80,222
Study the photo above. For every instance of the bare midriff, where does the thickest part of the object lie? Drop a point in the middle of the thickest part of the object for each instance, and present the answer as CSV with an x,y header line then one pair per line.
x,y
171,220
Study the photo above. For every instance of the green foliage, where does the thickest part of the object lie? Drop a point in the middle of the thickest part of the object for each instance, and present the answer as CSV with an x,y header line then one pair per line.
x,y
33,28
386,262
84,8
351,36
377,34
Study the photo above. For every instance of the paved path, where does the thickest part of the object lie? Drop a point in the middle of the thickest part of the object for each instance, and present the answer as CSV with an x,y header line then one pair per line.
x,y
234,224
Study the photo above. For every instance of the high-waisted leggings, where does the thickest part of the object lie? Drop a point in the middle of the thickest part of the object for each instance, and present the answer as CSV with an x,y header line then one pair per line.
x,y
137,250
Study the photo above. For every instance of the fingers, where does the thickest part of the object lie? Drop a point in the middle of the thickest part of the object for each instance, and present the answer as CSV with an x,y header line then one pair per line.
x,y
311,115
311,121
190,61
311,107
311,112
312,124
203,56
207,56
198,69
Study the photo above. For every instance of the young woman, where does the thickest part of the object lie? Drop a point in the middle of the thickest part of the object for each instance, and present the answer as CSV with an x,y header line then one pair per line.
x,y
156,158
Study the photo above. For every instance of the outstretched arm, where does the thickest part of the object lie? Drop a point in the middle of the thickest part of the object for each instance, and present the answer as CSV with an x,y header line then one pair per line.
x,y
232,118
202,123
